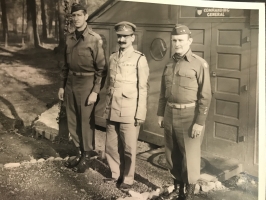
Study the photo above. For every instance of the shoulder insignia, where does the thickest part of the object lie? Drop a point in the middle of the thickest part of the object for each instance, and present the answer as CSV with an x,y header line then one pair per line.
x,y
139,52
203,62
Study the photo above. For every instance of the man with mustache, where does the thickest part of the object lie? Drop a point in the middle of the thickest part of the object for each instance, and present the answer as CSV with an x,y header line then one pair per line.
x,y
81,80
183,106
126,105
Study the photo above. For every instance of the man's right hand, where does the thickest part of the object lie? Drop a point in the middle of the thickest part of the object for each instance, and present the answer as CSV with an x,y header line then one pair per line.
x,y
160,121
61,94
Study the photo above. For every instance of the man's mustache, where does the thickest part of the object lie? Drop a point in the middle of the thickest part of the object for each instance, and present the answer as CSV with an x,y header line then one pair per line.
x,y
121,42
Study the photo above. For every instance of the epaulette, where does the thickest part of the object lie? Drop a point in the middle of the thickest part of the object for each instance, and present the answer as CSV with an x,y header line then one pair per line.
x,y
203,62
139,52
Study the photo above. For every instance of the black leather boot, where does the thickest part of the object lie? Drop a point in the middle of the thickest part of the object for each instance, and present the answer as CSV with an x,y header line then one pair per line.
x,y
181,194
190,188
83,163
70,163
177,193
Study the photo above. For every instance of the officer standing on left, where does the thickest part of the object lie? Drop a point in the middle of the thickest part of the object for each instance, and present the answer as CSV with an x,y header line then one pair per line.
x,y
81,80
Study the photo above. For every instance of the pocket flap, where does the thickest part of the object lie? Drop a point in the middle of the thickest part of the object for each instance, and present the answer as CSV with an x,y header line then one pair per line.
x,y
168,70
130,94
186,73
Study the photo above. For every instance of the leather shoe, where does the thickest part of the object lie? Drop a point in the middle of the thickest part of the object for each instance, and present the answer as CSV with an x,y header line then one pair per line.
x,y
110,180
124,186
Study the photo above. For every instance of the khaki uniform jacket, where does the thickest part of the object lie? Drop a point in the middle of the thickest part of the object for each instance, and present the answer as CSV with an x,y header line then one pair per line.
x,y
126,87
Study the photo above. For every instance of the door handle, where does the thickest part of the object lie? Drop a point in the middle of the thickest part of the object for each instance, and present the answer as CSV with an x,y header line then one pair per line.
x,y
214,74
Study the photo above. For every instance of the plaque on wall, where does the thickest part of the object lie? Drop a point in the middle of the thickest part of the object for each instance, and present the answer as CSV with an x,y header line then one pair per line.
x,y
212,12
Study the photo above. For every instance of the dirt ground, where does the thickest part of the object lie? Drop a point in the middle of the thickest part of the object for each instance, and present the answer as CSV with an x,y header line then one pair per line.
x,y
29,85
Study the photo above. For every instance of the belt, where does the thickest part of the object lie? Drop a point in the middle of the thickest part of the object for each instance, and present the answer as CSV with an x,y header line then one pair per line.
x,y
181,106
81,73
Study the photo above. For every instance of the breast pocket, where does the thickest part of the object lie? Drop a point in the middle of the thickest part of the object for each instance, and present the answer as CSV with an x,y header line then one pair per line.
x,y
129,71
187,78
85,57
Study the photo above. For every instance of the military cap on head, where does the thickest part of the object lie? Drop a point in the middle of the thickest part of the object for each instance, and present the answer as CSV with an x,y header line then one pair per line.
x,y
180,29
75,7
125,28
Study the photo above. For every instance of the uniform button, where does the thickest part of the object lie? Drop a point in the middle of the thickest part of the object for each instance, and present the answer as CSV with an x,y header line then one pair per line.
x,y
173,83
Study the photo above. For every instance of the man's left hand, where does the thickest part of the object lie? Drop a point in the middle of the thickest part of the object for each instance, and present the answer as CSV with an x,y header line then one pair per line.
x,y
196,130
138,122
92,98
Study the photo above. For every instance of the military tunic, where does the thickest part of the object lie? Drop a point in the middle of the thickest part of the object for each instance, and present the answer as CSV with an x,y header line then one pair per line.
x,y
84,55
126,100
127,84
184,81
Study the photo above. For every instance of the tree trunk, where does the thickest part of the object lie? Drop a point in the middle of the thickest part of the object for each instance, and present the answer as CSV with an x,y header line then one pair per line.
x,y
61,20
51,4
4,22
44,25
23,17
29,29
50,25
33,13
56,25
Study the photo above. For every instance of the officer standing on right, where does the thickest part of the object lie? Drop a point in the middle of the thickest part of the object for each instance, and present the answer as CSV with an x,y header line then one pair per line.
x,y
183,106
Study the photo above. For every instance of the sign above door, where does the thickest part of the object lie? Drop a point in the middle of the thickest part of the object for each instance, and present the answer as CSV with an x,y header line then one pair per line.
x,y
212,12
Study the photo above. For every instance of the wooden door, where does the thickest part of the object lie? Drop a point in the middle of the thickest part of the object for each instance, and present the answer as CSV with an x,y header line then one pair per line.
x,y
157,49
229,67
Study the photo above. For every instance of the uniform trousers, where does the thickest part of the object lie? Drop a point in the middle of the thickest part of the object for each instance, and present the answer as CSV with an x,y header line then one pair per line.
x,y
121,149
80,116
183,153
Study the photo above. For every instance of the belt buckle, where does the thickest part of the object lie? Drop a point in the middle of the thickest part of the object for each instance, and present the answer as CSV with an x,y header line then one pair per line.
x,y
177,106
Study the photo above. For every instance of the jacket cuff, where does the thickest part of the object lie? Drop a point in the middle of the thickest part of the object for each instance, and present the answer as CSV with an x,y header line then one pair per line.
x,y
141,115
62,84
201,119
96,88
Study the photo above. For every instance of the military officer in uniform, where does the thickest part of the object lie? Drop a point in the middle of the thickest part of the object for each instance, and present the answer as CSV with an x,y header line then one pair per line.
x,y
81,79
126,105
184,102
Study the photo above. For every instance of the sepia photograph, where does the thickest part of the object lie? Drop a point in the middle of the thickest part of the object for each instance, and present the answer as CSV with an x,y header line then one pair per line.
x,y
132,100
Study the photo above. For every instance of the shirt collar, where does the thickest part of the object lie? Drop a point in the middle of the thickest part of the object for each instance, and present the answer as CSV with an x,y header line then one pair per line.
x,y
85,32
127,51
188,55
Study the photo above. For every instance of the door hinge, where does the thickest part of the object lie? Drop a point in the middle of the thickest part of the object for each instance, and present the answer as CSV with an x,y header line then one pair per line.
x,y
241,139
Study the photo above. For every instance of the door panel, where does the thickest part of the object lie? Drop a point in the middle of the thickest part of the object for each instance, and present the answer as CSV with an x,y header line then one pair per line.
x,y
154,49
201,34
227,120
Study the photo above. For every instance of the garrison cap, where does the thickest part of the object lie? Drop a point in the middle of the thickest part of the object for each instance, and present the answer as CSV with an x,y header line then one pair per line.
x,y
75,7
125,28
180,29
